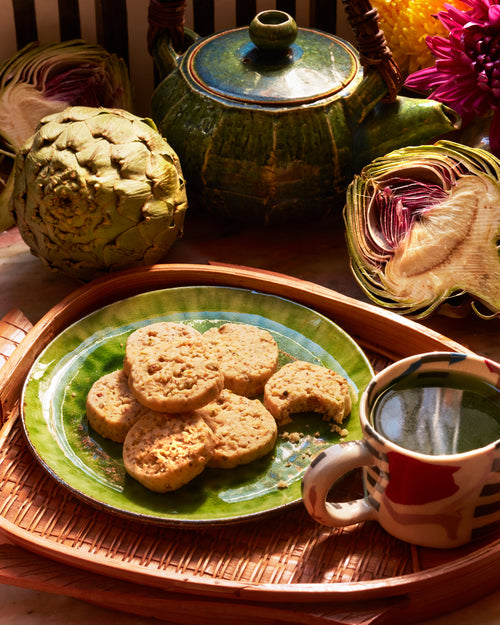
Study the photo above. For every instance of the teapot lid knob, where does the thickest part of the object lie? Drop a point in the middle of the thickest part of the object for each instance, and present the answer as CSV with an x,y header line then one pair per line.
x,y
273,31
272,62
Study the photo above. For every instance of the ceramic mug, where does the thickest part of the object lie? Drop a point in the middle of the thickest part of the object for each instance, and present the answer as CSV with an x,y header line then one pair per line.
x,y
430,453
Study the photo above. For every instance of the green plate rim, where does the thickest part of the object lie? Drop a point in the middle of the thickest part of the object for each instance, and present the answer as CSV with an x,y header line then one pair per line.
x,y
269,321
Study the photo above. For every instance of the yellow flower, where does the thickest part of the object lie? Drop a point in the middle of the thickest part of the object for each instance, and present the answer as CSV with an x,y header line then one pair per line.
x,y
407,23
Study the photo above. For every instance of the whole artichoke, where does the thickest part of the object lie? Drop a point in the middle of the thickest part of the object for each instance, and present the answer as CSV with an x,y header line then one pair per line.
x,y
42,79
98,190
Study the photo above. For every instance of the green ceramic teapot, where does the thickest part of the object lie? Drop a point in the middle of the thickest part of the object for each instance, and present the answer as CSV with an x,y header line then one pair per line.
x,y
270,122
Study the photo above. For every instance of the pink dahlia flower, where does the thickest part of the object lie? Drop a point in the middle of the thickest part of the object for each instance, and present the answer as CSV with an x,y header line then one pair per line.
x,y
466,73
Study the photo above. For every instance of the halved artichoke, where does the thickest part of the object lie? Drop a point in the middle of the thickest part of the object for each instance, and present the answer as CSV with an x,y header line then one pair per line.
x,y
423,227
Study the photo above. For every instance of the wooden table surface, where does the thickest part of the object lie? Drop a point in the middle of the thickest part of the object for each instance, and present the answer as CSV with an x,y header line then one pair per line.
x,y
314,252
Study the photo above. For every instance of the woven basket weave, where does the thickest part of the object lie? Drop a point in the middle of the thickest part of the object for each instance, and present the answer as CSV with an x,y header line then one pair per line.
x,y
267,568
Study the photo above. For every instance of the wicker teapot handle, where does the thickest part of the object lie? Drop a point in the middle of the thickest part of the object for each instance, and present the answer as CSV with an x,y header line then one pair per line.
x,y
362,17
166,15
372,45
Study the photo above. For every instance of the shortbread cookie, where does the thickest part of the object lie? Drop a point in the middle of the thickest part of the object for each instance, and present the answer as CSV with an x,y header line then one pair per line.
x,y
151,335
244,429
111,408
247,355
176,376
305,387
165,451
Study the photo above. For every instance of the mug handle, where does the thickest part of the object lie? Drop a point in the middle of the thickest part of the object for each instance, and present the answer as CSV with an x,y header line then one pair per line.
x,y
328,467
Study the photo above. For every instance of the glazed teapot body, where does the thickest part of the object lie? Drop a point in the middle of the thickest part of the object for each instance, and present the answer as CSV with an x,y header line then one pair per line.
x,y
270,122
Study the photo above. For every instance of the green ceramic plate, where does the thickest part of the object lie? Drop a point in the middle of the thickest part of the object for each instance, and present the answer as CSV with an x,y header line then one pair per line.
x,y
91,467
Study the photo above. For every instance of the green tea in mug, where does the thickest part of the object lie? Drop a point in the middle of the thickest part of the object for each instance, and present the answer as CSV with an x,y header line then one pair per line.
x,y
434,413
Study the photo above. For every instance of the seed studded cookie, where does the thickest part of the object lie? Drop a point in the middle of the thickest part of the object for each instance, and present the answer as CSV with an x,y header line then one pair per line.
x,y
111,408
247,355
244,429
302,387
152,334
177,376
165,451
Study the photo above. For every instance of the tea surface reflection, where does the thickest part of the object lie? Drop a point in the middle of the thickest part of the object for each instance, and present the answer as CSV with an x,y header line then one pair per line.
x,y
435,415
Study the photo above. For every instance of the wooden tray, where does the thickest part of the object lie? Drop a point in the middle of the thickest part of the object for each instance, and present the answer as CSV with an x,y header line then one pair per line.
x,y
281,570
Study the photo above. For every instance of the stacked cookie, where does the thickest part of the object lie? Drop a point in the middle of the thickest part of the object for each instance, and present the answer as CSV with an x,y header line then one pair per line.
x,y
172,405
184,401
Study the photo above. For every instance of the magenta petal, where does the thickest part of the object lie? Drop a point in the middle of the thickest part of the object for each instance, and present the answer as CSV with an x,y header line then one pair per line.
x,y
494,14
464,97
454,67
453,18
476,102
425,79
439,45
479,9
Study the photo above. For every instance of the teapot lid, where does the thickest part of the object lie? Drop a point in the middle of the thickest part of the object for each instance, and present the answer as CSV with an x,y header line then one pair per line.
x,y
272,62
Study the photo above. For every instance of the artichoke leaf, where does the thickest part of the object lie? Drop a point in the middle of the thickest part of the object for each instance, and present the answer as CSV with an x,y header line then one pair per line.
x,y
423,225
95,157
6,218
130,158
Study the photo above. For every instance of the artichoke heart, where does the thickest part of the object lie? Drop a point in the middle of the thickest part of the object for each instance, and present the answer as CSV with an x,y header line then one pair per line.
x,y
98,190
423,225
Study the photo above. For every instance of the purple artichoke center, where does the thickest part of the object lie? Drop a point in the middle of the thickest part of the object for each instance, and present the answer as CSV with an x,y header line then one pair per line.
x,y
82,85
400,203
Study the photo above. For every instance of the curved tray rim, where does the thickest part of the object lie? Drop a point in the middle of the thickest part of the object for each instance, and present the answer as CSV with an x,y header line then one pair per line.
x,y
479,562
390,587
